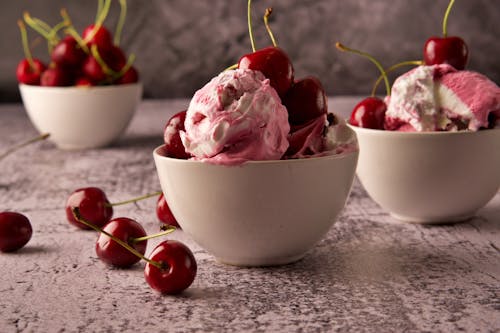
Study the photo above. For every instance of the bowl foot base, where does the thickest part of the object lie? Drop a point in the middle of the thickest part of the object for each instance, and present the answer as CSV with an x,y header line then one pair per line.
x,y
260,262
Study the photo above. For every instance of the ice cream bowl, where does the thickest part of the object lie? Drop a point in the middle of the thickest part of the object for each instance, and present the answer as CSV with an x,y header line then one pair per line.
x,y
429,177
259,213
81,117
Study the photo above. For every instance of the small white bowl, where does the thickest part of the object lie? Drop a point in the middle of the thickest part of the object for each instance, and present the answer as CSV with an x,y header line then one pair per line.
x,y
431,177
260,213
81,117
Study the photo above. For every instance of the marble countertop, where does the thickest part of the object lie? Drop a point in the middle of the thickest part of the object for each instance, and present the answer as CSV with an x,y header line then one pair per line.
x,y
370,273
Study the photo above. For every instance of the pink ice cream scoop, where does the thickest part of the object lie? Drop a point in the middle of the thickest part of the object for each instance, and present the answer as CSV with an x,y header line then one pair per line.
x,y
440,98
236,117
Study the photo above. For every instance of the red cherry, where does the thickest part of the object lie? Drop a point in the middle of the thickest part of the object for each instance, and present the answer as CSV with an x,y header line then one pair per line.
x,y
93,70
15,231
449,50
130,76
274,64
114,57
369,113
305,100
173,144
164,213
28,75
56,77
115,254
102,38
179,268
67,53
83,82
93,205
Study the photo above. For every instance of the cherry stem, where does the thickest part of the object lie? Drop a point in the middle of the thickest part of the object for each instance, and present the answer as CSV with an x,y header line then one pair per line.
x,y
268,13
121,22
25,143
105,68
101,16
43,29
73,33
155,194
393,67
24,38
100,5
249,19
167,231
445,19
79,218
231,67
372,59
127,66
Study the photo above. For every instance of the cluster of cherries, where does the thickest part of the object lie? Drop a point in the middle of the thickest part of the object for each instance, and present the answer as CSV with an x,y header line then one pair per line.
x,y
94,58
122,241
305,99
452,50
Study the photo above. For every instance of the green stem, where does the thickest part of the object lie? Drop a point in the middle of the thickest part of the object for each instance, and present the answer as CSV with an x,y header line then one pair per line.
x,y
36,25
71,31
163,233
445,19
22,144
125,68
105,68
100,5
393,67
26,48
155,194
249,19
268,12
121,21
79,218
372,59
231,67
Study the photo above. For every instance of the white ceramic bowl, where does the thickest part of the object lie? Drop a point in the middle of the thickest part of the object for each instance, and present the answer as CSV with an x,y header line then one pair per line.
x,y
432,177
260,213
81,117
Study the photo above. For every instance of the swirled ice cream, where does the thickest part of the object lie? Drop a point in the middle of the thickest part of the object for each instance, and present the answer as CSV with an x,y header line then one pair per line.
x,y
440,98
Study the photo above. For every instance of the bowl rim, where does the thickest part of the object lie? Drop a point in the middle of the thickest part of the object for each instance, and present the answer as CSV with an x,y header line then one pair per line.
x,y
343,155
380,132
80,88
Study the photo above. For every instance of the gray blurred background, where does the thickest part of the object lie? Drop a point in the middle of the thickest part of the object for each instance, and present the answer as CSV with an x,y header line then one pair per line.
x,y
181,44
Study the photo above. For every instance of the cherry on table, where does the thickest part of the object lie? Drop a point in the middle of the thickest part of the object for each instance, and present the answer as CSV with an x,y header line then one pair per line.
x,y
112,253
171,136
274,63
164,213
15,231
93,205
369,113
28,74
305,100
178,268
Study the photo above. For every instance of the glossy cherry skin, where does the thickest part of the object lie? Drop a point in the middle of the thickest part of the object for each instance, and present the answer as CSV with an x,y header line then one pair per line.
x,y
448,50
179,268
114,57
67,53
305,100
56,77
369,113
15,231
164,213
172,138
93,70
102,38
274,63
113,253
93,204
83,82
27,75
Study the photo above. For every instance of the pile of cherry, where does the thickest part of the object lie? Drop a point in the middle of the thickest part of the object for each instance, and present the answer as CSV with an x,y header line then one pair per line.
x,y
94,58
122,242
304,99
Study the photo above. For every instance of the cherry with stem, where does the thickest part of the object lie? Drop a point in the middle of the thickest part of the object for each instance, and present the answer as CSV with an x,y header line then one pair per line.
x,y
370,112
23,144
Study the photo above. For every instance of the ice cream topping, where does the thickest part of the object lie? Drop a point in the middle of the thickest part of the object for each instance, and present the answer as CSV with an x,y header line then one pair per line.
x,y
438,97
236,117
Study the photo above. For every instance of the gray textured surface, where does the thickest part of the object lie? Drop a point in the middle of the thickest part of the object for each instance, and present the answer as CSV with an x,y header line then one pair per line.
x,y
370,274
182,44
